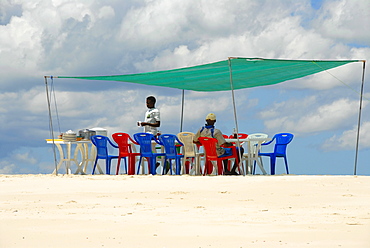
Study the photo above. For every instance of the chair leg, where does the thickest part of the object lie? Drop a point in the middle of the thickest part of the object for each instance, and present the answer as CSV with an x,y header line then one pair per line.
x,y
169,162
96,160
198,167
272,164
286,165
152,166
107,166
188,166
220,166
131,165
206,167
164,166
185,168
118,164
125,159
138,167
178,166
217,167
170,169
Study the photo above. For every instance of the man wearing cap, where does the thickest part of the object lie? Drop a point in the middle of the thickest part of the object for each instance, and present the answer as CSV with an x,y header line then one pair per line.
x,y
209,130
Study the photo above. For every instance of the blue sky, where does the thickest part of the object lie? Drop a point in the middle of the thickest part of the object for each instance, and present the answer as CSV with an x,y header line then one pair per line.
x,y
78,37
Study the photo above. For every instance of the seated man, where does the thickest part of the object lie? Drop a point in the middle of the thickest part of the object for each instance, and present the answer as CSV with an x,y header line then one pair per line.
x,y
209,130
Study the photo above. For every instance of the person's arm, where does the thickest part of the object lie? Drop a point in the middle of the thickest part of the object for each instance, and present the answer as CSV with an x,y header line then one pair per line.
x,y
155,114
221,140
156,124
227,144
196,137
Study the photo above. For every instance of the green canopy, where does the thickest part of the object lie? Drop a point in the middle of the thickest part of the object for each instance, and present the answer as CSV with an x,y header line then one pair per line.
x,y
246,73
231,74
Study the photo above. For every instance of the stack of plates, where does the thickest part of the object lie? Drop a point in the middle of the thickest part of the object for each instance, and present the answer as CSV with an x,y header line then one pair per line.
x,y
69,137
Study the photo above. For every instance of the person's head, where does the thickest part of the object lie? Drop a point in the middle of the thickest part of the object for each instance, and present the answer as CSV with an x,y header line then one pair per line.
x,y
211,119
150,101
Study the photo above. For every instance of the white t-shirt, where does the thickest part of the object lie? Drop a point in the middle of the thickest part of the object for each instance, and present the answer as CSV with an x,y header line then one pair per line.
x,y
151,116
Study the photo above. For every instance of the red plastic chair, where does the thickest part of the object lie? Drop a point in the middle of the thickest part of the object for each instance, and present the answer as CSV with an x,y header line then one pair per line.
x,y
240,136
125,151
209,145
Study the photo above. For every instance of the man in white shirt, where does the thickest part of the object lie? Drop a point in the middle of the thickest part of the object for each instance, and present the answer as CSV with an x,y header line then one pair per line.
x,y
152,117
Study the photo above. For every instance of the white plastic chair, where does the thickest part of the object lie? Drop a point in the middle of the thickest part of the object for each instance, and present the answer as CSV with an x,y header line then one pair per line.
x,y
190,152
254,145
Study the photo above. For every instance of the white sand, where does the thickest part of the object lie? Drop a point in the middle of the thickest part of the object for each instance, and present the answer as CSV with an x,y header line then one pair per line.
x,y
184,211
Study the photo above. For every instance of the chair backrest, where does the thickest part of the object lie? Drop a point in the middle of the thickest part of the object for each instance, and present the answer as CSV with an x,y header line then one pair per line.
x,y
240,136
145,142
282,140
253,145
101,143
122,140
209,145
169,143
187,139
258,135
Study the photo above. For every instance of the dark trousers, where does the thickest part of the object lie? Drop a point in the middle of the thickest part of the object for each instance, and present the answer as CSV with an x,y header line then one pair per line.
x,y
241,149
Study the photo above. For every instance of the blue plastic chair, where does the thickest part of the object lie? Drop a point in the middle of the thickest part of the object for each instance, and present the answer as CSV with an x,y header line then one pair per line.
x,y
101,143
281,142
169,143
145,142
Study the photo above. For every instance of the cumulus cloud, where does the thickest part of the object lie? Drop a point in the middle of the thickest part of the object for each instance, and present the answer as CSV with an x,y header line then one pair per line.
x,y
307,116
347,140
25,157
7,168
344,20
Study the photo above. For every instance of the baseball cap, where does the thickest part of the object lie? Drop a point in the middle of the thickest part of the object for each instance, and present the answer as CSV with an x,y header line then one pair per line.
x,y
211,116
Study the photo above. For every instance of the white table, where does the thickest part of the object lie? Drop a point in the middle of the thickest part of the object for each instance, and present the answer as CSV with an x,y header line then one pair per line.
x,y
82,147
253,148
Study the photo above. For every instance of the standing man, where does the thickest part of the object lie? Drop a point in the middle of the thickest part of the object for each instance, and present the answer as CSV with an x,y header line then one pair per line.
x,y
152,117
210,131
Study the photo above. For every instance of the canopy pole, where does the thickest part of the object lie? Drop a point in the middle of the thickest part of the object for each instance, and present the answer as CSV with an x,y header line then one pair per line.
x,y
359,116
235,115
182,109
51,123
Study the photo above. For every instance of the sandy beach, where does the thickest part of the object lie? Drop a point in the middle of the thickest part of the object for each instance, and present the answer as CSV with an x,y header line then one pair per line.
x,y
184,211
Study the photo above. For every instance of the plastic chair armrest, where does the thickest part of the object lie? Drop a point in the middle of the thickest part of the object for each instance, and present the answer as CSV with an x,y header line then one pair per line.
x,y
133,141
158,141
267,143
180,143
112,144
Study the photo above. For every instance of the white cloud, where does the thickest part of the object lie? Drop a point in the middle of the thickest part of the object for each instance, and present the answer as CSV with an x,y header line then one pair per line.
x,y
25,157
307,116
106,12
347,140
345,20
7,168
